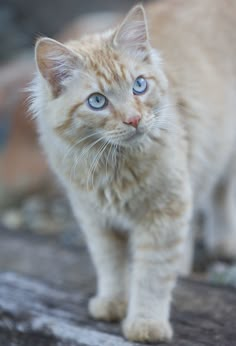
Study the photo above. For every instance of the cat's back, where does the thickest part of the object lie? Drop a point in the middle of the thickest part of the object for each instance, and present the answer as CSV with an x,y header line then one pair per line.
x,y
186,25
197,41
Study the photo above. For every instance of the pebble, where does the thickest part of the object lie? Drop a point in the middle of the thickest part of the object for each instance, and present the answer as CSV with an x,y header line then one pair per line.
x,y
224,274
40,214
12,219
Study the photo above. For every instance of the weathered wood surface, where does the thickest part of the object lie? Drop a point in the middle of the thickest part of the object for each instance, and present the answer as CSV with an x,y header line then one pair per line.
x,y
45,304
35,314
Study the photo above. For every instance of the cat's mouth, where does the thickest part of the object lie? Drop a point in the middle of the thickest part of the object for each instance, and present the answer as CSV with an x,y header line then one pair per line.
x,y
136,135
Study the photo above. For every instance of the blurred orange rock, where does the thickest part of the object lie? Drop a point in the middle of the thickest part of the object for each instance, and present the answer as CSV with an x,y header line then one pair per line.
x,y
22,166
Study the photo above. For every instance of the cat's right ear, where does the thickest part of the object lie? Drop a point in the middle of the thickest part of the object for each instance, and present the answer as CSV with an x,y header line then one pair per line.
x,y
132,34
55,62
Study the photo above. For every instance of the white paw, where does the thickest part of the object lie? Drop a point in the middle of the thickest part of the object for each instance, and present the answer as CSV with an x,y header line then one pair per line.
x,y
107,308
146,330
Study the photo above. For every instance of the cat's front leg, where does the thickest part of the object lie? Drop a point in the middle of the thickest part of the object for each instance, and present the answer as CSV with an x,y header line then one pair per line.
x,y
108,250
157,256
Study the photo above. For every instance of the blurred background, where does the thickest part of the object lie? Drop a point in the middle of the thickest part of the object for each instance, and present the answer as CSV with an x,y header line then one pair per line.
x,y
37,230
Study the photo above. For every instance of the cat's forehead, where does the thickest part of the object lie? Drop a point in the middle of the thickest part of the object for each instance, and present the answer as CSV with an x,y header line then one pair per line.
x,y
106,63
108,66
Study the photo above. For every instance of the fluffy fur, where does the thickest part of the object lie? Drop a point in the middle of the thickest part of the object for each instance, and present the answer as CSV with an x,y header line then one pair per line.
x,y
135,191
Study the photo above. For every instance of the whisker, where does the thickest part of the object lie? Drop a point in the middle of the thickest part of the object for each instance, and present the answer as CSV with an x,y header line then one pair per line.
x,y
84,152
94,163
70,149
107,158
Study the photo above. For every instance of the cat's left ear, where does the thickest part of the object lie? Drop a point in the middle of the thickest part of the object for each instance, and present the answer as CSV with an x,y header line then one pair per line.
x,y
132,34
56,63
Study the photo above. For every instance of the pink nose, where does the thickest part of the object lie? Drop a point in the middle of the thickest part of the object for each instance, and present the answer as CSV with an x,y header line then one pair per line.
x,y
134,121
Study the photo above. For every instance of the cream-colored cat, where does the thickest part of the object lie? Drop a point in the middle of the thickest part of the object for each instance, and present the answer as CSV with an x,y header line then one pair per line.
x,y
143,139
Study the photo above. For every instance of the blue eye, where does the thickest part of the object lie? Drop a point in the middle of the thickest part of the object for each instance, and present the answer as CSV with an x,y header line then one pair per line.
x,y
97,101
140,86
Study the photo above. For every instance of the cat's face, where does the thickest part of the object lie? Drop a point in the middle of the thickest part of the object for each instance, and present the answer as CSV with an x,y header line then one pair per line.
x,y
107,88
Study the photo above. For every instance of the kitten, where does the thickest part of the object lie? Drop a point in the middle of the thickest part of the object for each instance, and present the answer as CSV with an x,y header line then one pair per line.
x,y
141,133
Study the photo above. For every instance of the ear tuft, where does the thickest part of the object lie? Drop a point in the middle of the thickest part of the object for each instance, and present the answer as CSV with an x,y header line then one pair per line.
x,y
55,62
132,34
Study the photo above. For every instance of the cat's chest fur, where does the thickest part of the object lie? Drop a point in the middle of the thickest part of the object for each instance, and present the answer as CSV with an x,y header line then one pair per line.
x,y
130,191
118,191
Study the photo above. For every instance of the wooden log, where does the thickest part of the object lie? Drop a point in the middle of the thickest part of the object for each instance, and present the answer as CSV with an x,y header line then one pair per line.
x,y
33,313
